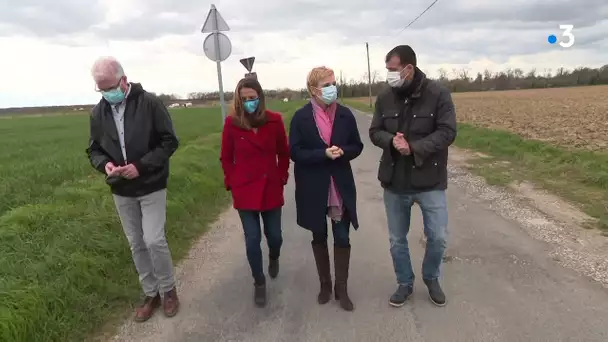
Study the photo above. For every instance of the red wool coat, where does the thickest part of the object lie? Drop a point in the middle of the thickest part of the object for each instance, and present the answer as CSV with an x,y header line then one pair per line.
x,y
256,165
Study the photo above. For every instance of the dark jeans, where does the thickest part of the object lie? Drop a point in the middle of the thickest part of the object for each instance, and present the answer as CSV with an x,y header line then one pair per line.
x,y
341,231
253,238
435,220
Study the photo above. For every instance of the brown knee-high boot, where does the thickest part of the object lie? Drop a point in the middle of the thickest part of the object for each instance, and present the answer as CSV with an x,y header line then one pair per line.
x,y
322,259
341,263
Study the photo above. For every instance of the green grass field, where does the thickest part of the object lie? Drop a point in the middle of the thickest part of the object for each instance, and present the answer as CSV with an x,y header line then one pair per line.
x,y
577,175
66,269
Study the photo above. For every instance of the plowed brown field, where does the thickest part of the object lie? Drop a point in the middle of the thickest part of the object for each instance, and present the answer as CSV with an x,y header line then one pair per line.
x,y
569,117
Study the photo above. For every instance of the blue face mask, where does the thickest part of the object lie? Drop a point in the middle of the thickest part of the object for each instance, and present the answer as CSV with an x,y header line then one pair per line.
x,y
329,94
251,105
114,96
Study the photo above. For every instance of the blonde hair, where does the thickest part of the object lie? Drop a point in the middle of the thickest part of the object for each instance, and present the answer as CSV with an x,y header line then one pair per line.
x,y
315,76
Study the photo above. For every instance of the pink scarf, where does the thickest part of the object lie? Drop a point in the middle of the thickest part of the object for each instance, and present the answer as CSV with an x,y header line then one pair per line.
x,y
324,119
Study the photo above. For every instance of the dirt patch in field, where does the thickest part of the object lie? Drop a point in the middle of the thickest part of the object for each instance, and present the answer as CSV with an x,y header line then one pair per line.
x,y
569,117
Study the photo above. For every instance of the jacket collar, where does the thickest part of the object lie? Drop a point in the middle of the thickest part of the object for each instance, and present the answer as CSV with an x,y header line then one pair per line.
x,y
418,84
308,108
421,81
270,117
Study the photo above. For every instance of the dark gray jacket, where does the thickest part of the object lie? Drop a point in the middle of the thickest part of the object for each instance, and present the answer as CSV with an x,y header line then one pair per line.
x,y
427,119
149,138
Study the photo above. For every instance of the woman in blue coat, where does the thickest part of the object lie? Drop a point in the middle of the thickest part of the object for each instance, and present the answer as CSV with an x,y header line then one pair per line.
x,y
323,139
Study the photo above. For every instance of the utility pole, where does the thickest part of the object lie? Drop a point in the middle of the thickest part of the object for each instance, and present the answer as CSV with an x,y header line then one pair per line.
x,y
369,76
341,87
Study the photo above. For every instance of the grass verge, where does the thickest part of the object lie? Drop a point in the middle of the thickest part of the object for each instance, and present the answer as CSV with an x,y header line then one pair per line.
x,y
66,268
577,175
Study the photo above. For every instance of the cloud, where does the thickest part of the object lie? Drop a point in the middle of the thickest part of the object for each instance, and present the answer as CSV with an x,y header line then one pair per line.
x,y
462,29
160,43
43,18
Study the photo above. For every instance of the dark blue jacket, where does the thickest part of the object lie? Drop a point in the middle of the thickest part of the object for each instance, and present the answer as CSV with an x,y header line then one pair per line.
x,y
312,169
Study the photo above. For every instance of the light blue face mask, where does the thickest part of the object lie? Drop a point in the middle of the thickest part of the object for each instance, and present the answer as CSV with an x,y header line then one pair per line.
x,y
114,96
251,105
329,94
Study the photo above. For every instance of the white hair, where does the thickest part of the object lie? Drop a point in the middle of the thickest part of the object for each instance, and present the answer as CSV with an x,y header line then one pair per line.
x,y
106,68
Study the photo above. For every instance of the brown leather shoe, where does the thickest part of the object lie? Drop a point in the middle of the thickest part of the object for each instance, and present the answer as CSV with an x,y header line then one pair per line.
x,y
171,303
147,308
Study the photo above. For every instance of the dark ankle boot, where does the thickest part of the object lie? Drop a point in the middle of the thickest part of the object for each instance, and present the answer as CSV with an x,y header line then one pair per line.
x,y
341,263
273,268
259,293
322,260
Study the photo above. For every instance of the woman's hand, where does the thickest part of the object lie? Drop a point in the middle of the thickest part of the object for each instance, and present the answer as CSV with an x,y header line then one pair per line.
x,y
334,152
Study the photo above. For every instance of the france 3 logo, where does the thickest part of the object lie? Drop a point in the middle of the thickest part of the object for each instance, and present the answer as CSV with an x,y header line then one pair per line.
x,y
567,36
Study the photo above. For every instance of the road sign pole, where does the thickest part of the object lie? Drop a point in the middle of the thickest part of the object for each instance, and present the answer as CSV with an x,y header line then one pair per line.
x,y
221,89
219,69
220,83
217,47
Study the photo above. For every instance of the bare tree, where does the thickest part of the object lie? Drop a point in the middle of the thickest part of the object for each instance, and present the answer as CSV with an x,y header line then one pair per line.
x,y
518,73
463,74
443,74
487,75
457,80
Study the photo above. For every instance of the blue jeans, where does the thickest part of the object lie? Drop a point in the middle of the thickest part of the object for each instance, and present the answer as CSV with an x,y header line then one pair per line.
x,y
341,232
435,219
253,238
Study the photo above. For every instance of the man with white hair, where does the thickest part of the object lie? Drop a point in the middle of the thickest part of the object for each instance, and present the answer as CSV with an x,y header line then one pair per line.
x,y
131,141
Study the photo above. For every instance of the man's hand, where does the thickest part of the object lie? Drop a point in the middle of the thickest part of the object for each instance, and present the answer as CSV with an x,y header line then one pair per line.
x,y
334,152
110,168
129,171
401,144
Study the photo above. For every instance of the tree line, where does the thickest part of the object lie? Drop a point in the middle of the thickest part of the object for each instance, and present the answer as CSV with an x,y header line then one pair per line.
x,y
457,80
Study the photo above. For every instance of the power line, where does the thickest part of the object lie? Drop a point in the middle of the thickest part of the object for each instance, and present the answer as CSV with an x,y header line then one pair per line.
x,y
420,15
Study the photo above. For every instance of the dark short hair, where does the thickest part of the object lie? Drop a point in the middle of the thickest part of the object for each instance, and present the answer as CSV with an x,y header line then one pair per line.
x,y
405,53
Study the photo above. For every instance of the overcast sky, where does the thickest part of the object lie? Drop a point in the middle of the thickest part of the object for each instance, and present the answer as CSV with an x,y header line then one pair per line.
x,y
47,47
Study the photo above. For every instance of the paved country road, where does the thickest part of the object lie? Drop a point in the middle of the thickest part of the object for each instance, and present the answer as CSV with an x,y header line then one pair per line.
x,y
502,285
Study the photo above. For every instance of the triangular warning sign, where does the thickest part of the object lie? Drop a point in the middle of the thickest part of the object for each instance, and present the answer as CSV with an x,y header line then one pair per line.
x,y
214,22
248,63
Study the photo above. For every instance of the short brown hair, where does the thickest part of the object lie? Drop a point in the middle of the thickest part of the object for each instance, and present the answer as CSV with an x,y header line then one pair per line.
x,y
315,76
238,112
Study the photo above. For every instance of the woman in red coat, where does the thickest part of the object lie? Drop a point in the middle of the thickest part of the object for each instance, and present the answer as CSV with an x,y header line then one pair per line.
x,y
255,160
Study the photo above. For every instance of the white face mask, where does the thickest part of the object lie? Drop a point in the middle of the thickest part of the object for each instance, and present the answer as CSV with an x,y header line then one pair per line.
x,y
393,78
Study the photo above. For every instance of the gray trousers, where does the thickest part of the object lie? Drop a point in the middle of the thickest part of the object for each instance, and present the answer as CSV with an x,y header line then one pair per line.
x,y
143,221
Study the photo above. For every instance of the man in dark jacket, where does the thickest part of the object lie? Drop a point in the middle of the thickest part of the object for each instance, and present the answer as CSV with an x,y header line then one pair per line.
x,y
414,123
131,141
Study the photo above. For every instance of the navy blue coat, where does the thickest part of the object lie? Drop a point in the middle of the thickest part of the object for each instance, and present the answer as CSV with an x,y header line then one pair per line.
x,y
312,168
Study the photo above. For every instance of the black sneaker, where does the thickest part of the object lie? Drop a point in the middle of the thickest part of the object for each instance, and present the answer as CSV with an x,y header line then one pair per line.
x,y
259,295
401,295
273,268
435,292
